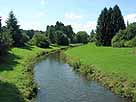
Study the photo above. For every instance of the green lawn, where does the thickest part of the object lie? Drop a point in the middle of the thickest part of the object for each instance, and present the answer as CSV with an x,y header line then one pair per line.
x,y
121,61
15,78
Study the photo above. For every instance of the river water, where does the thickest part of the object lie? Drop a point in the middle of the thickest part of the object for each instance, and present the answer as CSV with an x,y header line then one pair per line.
x,y
57,82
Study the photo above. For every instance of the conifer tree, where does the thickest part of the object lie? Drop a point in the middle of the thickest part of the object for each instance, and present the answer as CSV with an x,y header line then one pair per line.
x,y
14,30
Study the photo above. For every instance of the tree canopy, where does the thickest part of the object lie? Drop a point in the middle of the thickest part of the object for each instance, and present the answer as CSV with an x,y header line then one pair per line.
x,y
55,32
82,37
125,38
14,30
109,23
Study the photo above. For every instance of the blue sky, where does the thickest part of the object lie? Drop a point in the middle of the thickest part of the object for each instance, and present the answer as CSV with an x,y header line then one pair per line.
x,y
81,14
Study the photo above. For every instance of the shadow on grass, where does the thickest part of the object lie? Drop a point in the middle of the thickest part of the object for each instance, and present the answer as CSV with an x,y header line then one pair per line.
x,y
8,62
9,93
28,47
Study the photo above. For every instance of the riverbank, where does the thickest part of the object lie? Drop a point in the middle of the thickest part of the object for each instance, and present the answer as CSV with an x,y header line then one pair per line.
x,y
16,73
112,67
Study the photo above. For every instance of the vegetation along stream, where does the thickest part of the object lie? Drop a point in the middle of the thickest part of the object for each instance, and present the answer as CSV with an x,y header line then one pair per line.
x,y
57,82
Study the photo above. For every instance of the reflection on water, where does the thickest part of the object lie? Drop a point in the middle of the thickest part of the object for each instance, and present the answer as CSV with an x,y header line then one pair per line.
x,y
58,83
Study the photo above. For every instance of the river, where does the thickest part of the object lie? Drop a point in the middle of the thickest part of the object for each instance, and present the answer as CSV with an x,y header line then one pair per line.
x,y
57,82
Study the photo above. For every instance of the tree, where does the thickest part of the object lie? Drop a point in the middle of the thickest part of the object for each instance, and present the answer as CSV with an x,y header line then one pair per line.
x,y
30,33
40,40
118,19
5,42
109,23
63,40
82,37
52,31
13,27
92,36
69,32
101,28
126,37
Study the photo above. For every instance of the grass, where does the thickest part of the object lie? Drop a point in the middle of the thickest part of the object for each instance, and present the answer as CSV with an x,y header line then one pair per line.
x,y
16,76
120,61
114,68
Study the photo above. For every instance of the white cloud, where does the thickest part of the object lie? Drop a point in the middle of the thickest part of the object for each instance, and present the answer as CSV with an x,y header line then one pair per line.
x,y
72,16
43,2
130,18
27,25
88,26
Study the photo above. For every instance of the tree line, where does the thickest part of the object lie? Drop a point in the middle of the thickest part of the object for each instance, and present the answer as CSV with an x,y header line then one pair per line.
x,y
112,31
12,36
64,35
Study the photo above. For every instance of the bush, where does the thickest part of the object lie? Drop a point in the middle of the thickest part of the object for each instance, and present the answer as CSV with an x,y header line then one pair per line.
x,y
64,40
131,43
43,44
125,38
82,37
119,44
40,40
134,42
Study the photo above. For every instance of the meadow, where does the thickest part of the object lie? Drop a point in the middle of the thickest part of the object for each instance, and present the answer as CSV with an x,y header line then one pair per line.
x,y
16,73
114,68
110,60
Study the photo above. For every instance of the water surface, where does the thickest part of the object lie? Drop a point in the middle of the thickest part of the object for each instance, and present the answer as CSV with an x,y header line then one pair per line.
x,y
58,83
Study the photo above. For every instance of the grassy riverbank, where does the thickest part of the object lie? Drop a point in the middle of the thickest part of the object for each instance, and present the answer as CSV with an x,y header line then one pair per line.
x,y
16,73
113,67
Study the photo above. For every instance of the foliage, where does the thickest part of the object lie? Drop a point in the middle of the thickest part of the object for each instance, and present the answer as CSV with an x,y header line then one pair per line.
x,y
125,38
64,40
5,42
82,37
29,33
14,30
52,32
109,23
40,40
92,36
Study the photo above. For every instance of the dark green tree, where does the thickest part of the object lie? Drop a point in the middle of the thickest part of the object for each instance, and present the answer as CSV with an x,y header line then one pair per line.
x,y
126,37
40,40
92,36
108,24
63,40
14,30
69,32
101,28
30,33
54,32
5,40
118,19
51,34
82,37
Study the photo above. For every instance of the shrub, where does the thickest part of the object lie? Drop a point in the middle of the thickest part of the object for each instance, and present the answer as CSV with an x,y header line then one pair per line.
x,y
40,40
82,37
125,38
64,40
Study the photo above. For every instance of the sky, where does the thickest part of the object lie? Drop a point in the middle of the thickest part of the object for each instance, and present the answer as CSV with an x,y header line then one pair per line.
x,y
81,14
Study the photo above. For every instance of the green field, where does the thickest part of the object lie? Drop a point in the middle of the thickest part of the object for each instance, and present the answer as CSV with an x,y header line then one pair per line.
x,y
120,61
16,80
